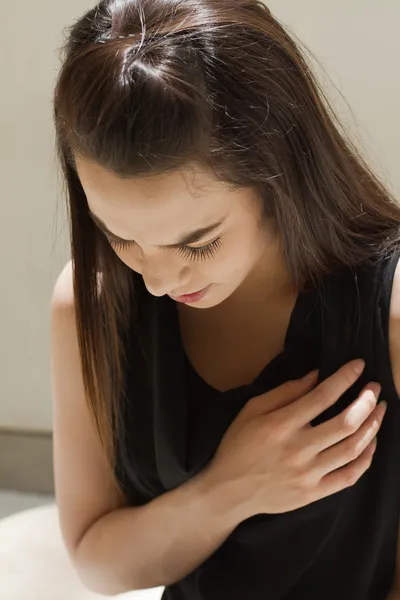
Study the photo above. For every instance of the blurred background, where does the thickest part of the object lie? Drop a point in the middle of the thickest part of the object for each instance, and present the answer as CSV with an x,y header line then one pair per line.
x,y
357,45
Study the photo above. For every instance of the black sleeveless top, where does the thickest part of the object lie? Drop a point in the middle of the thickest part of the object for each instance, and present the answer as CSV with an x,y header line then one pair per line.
x,y
342,547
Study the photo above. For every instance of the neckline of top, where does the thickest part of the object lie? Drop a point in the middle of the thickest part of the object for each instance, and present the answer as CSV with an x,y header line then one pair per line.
x,y
297,316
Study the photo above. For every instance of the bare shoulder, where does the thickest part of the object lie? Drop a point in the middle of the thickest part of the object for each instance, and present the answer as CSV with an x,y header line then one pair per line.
x,y
62,299
394,328
63,293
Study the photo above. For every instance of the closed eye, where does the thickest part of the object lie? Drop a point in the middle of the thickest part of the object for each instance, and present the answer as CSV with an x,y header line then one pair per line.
x,y
192,254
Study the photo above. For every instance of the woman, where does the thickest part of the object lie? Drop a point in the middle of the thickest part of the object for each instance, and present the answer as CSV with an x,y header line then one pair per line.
x,y
227,241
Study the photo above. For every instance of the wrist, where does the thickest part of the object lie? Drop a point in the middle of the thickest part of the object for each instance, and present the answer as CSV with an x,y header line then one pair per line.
x,y
226,499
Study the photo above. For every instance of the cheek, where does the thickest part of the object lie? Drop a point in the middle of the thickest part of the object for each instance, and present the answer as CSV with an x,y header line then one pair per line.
x,y
131,258
247,246
234,261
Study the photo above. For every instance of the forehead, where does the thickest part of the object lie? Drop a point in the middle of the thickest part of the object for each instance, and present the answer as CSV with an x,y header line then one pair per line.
x,y
162,205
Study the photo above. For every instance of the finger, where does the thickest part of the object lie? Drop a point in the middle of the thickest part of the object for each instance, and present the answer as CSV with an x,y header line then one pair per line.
x,y
350,449
348,475
307,408
283,395
345,424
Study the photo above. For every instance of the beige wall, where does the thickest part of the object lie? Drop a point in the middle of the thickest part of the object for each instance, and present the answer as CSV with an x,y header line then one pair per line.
x,y
358,45
33,234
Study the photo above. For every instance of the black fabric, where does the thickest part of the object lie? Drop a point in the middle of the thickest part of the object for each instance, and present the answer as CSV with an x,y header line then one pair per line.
x,y
342,547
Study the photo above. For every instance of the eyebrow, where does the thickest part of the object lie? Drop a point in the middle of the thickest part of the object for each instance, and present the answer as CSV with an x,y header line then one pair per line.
x,y
190,238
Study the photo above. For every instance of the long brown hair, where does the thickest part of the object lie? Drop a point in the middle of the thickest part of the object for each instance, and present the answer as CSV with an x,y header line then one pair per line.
x,y
224,85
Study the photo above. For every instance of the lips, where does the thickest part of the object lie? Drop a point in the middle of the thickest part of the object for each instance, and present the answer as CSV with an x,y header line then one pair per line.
x,y
189,298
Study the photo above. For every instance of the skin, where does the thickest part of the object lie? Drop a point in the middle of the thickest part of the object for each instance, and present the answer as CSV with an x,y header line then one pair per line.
x,y
246,264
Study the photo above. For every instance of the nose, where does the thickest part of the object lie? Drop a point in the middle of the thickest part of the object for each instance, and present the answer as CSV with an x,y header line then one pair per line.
x,y
162,279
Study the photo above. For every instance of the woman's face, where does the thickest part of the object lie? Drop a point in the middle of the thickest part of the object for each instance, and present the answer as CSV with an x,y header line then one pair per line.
x,y
158,220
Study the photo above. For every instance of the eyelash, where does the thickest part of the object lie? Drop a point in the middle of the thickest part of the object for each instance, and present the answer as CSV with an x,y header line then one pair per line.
x,y
192,254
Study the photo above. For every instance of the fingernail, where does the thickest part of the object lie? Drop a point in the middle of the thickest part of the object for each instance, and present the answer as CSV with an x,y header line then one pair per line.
x,y
383,403
375,388
358,366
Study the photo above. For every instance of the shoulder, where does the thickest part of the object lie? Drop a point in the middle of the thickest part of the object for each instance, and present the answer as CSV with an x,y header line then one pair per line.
x,y
62,315
62,299
394,328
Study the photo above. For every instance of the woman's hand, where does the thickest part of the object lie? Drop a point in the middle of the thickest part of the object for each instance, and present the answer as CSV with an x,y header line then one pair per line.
x,y
279,462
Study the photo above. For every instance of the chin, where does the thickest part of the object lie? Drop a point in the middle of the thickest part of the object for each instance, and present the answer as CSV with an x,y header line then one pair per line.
x,y
212,301
206,303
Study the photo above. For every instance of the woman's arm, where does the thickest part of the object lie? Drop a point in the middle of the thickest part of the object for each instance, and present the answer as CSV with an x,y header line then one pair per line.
x,y
116,548
394,342
159,543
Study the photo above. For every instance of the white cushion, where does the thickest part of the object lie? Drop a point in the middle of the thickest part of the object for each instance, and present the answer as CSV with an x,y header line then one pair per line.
x,y
34,563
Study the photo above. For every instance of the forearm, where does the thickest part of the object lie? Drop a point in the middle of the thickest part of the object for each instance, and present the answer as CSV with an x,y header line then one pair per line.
x,y
160,543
